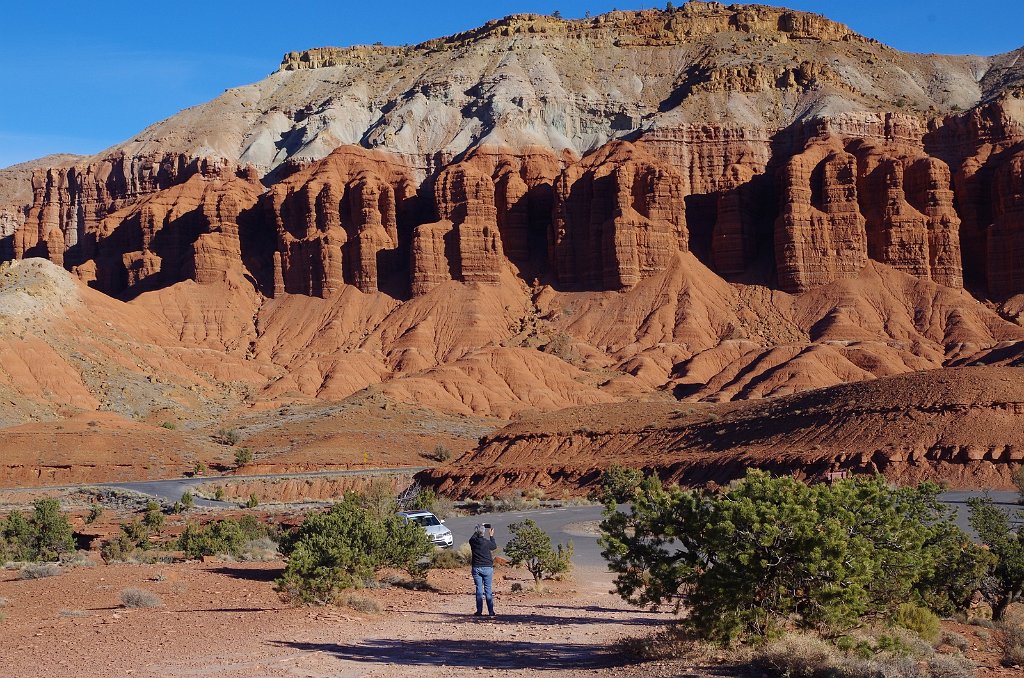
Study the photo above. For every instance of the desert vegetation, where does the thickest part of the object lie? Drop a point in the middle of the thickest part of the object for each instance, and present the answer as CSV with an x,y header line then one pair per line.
x,y
43,535
531,547
841,579
347,546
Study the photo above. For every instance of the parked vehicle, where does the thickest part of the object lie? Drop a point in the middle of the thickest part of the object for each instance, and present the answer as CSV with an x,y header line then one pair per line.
x,y
432,525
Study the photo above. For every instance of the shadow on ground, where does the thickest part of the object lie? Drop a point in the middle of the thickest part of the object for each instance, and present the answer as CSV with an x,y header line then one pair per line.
x,y
249,574
508,654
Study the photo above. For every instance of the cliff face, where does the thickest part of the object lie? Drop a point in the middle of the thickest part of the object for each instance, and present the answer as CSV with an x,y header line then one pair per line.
x,y
587,189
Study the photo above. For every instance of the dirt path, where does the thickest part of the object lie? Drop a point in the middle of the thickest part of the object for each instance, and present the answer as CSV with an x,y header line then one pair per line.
x,y
225,620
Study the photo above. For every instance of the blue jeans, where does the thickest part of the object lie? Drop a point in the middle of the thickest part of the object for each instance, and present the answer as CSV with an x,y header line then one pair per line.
x,y
483,577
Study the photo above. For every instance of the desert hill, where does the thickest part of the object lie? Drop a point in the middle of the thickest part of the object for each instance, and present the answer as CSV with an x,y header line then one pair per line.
x,y
710,204
958,426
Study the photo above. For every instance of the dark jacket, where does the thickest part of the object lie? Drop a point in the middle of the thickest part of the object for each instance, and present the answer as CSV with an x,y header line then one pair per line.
x,y
482,548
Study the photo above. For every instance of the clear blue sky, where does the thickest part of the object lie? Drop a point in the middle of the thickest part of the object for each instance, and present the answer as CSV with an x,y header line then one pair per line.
x,y
78,77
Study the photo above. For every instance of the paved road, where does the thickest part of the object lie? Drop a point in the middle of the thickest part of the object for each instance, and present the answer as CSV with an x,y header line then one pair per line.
x,y
560,523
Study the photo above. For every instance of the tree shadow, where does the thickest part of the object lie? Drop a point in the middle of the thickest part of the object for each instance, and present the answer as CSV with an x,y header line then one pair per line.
x,y
261,575
507,654
545,619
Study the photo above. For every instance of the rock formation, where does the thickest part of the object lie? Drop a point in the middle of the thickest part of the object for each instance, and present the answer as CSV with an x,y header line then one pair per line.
x,y
718,202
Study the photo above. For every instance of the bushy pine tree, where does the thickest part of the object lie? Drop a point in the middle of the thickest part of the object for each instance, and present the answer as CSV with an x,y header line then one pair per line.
x,y
775,552
346,546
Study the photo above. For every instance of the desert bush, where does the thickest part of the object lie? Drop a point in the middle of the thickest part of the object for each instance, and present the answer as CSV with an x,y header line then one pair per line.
x,y
153,519
223,537
95,511
39,570
135,598
118,549
343,547
169,425
252,502
448,559
618,483
227,436
1010,644
440,454
243,456
218,494
43,535
187,501
357,603
1006,545
955,640
1018,482
260,550
772,553
921,621
950,666
797,656
531,546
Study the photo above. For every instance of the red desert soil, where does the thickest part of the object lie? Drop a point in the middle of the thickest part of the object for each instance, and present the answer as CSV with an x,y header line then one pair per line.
x,y
958,425
225,620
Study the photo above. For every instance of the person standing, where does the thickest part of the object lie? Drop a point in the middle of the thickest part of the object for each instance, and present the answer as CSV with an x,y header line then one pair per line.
x,y
482,545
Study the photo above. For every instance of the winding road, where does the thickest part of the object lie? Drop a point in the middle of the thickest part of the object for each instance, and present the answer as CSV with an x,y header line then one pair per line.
x,y
576,523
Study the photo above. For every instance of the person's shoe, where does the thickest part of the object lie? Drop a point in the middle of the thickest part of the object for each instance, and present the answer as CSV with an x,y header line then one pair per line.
x,y
478,613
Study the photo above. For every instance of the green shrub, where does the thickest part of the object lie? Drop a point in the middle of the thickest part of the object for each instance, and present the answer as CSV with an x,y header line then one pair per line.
x,y
440,453
169,425
118,549
42,536
921,621
95,511
531,546
347,545
1006,545
187,501
618,483
218,494
224,538
153,519
252,501
244,456
771,553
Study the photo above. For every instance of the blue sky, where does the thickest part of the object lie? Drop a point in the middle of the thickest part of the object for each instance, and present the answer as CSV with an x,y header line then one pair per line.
x,y
78,77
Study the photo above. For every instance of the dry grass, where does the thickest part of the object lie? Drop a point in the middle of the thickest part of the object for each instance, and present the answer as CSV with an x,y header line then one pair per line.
x,y
358,603
1011,644
950,666
797,655
39,570
136,598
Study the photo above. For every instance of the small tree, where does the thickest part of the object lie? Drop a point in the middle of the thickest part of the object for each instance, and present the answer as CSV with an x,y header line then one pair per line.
x,y
1018,481
531,546
187,501
618,483
95,511
243,456
774,552
53,533
1006,585
346,546
252,501
153,518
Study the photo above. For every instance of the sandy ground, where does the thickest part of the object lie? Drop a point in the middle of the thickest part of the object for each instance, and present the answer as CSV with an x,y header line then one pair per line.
x,y
224,619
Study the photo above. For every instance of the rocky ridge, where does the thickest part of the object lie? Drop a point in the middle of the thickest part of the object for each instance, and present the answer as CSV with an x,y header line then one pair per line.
x,y
712,203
